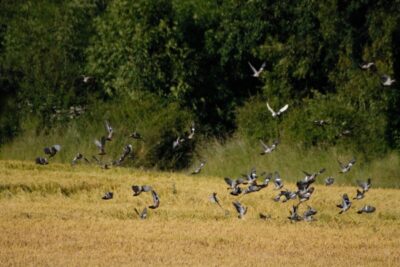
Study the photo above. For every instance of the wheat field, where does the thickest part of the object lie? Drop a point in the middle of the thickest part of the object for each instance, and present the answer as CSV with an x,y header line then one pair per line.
x,y
54,216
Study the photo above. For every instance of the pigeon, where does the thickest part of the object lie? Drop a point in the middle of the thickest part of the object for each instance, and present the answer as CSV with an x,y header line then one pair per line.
x,y
306,194
177,142
367,66
198,169
321,122
78,156
277,114
138,189
109,130
108,195
236,191
288,195
346,167
192,131
142,215
252,188
278,181
41,161
329,181
346,204
103,165
126,151
101,145
293,214
366,209
87,79
360,195
365,185
264,216
52,151
156,200
387,81
136,135
240,209
232,183
268,149
256,73
214,199
309,213
266,180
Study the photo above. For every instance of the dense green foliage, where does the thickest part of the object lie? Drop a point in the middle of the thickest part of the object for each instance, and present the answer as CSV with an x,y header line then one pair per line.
x,y
178,61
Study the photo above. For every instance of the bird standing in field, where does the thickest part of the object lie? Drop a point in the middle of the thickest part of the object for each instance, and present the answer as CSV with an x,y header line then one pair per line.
x,y
52,151
366,209
41,161
346,204
256,73
277,114
268,149
108,195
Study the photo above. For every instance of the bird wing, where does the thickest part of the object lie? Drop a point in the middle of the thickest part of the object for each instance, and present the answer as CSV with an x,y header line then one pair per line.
x,y
57,147
252,68
264,145
262,67
284,108
97,143
109,129
238,206
270,109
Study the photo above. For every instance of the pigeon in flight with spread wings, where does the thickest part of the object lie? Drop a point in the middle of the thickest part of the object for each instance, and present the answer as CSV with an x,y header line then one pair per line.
x,y
156,200
268,149
256,73
387,80
279,112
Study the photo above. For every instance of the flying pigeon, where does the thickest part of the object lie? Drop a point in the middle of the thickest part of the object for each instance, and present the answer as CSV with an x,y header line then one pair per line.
x,y
346,167
278,181
137,189
177,142
136,135
240,209
346,204
198,169
52,151
360,195
365,185
256,73
387,81
293,214
101,145
78,156
329,181
321,122
268,149
156,200
192,131
367,66
366,209
309,213
277,114
109,130
142,215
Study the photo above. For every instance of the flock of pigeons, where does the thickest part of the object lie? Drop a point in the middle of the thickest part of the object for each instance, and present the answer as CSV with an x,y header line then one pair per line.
x,y
246,183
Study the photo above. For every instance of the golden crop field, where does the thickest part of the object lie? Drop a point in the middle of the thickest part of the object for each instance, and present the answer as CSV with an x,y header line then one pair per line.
x,y
53,215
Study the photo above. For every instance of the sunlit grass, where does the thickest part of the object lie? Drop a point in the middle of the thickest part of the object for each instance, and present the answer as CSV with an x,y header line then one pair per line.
x,y
54,215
